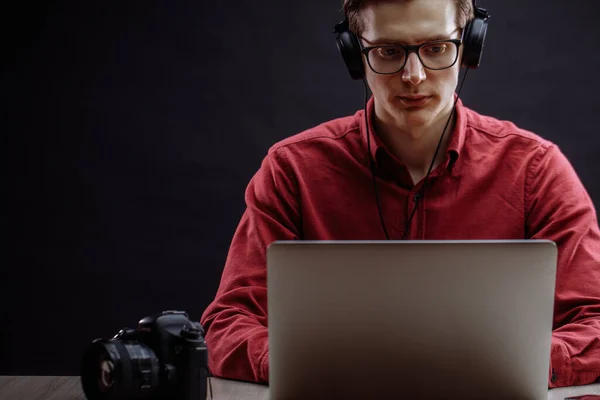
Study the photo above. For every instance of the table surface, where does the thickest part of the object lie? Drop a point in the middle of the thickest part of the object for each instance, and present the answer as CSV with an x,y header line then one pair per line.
x,y
69,388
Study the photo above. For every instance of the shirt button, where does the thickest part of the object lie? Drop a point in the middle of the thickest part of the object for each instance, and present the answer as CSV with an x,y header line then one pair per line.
x,y
416,197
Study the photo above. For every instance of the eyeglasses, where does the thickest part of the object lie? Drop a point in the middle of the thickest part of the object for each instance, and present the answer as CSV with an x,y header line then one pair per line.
x,y
435,55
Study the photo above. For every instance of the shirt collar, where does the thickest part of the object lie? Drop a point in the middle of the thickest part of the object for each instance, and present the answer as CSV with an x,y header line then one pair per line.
x,y
455,145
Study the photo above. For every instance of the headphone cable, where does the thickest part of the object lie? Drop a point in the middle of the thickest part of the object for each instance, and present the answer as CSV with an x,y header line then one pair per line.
x,y
424,185
371,162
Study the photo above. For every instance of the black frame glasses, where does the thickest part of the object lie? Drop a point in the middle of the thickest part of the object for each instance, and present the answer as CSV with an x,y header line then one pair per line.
x,y
411,49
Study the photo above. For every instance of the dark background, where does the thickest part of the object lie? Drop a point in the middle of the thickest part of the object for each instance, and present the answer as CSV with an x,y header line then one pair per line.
x,y
131,128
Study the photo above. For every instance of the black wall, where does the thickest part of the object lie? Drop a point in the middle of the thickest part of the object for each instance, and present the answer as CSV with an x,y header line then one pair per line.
x,y
131,128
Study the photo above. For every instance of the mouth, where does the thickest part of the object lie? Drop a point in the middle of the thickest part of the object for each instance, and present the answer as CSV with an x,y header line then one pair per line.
x,y
415,101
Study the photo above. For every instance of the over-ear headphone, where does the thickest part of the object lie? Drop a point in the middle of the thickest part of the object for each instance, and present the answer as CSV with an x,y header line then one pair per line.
x,y
473,40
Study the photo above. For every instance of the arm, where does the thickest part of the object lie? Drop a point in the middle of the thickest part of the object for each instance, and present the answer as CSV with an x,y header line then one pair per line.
x,y
560,209
236,321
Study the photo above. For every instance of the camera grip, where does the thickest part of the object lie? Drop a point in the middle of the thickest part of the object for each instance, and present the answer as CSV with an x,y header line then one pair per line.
x,y
194,373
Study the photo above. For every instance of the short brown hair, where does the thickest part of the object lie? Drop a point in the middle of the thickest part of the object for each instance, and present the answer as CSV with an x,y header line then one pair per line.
x,y
352,9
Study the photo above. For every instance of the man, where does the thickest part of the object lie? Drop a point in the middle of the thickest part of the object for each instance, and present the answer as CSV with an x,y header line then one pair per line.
x,y
489,180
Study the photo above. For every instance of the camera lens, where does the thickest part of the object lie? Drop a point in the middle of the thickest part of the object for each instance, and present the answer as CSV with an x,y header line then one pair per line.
x,y
112,369
107,374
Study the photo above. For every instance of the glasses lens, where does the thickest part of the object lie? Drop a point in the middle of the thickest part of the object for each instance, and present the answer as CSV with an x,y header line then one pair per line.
x,y
390,59
386,59
438,55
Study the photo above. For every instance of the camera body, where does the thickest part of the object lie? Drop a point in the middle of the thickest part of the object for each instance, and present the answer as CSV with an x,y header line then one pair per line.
x,y
164,357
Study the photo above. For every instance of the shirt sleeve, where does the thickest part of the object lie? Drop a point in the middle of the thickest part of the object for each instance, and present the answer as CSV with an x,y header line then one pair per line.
x,y
235,322
560,209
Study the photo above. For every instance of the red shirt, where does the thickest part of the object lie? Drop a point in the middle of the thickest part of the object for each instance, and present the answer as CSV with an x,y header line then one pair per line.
x,y
497,181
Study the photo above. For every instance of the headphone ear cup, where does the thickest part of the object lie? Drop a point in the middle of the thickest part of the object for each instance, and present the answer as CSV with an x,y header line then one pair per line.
x,y
349,48
474,39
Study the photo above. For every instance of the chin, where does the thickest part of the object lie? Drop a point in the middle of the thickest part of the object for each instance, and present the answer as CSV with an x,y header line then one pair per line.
x,y
415,117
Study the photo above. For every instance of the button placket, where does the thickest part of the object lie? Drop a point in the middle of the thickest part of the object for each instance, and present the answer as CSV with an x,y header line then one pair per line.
x,y
421,218
418,222
414,198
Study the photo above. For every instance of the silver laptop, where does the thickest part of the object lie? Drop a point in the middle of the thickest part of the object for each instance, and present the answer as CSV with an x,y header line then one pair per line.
x,y
410,319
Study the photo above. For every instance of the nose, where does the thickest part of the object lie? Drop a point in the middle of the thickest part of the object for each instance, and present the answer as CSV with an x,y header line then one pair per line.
x,y
413,71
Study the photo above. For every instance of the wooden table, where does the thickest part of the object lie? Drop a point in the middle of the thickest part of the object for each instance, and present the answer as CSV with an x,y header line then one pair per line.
x,y
69,388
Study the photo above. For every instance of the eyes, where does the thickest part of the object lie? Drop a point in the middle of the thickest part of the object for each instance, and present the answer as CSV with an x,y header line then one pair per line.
x,y
434,55
399,52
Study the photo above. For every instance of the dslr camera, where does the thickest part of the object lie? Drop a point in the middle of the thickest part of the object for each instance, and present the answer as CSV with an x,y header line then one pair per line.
x,y
164,357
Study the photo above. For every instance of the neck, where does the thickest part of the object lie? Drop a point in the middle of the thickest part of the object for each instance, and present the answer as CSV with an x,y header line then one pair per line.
x,y
415,146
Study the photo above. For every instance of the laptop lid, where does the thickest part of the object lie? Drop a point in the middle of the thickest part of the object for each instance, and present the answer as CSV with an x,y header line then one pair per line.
x,y
420,319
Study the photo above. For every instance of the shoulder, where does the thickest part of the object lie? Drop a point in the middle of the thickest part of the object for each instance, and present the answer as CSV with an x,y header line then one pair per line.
x,y
329,135
505,140
501,131
504,143
322,151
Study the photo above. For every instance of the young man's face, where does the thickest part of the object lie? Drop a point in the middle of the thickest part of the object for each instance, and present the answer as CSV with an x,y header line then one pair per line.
x,y
411,22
